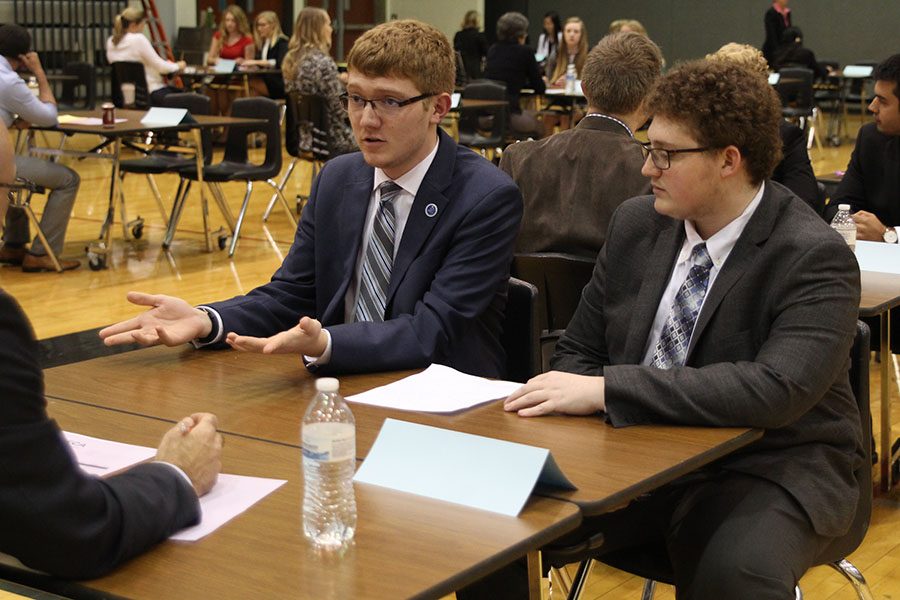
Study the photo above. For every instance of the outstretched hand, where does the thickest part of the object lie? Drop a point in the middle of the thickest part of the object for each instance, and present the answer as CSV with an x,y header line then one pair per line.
x,y
171,321
306,337
559,393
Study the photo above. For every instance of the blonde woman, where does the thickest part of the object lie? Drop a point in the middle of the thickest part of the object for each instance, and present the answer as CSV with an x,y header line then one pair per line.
x,y
271,46
231,41
128,43
308,69
572,51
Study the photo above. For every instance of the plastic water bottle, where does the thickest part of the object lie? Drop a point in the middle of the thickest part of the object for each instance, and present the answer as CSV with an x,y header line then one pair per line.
x,y
570,79
329,459
844,224
33,86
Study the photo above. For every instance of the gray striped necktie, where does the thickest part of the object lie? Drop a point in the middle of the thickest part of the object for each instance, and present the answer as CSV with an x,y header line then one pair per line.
x,y
379,258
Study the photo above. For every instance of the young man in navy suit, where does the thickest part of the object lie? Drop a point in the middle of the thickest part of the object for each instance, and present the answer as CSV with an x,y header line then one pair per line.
x,y
402,255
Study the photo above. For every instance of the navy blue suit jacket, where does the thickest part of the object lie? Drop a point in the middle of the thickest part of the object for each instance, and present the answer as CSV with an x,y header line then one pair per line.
x,y
448,284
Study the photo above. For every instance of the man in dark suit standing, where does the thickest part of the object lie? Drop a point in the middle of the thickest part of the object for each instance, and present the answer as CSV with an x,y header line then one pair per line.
x,y
720,300
402,255
572,182
53,516
871,185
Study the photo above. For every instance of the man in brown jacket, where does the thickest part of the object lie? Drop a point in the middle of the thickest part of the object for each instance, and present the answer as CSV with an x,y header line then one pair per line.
x,y
573,181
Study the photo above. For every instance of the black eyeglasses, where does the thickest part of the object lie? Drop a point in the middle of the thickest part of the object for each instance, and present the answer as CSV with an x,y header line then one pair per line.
x,y
385,107
661,157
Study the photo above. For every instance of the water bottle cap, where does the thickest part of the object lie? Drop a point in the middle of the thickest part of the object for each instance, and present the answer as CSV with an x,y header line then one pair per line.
x,y
327,384
843,207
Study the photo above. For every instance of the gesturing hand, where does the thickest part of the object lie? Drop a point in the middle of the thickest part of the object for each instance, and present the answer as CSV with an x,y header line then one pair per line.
x,y
171,321
558,392
306,337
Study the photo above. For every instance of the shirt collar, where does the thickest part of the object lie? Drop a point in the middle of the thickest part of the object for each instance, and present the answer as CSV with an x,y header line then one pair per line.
x,y
412,179
720,244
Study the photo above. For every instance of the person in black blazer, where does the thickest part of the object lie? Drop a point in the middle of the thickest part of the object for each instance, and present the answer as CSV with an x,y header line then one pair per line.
x,y
53,516
871,185
445,288
776,20
792,53
271,46
471,45
512,62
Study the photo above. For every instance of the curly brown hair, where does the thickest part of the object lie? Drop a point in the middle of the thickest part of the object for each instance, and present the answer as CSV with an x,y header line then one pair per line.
x,y
724,104
407,49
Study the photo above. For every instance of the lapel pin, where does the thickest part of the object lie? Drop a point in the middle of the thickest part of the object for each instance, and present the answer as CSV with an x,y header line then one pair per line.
x,y
431,210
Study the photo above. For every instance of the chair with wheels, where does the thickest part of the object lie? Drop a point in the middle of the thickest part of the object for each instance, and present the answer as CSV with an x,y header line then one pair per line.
x,y
157,162
236,166
484,128
795,87
652,562
559,279
520,331
305,138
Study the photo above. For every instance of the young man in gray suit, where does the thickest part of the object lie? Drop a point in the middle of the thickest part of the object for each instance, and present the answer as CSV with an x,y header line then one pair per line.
x,y
720,301
572,182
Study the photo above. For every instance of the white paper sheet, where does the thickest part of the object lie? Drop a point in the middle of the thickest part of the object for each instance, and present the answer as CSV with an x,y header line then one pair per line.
x,y
160,117
73,120
466,469
438,389
232,495
104,457
878,257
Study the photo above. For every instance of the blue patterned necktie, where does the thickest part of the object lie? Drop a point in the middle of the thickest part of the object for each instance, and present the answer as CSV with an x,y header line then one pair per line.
x,y
378,260
672,347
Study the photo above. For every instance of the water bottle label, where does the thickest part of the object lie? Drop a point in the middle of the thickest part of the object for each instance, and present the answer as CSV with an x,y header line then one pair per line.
x,y
329,442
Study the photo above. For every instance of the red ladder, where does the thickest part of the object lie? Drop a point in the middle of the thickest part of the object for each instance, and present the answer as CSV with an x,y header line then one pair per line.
x,y
158,37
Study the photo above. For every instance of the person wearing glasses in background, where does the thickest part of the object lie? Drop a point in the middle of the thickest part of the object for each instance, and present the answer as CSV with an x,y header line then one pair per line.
x,y
721,301
309,69
271,46
402,256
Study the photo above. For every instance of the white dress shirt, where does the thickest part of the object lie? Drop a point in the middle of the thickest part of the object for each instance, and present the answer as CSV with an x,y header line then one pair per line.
x,y
719,246
16,100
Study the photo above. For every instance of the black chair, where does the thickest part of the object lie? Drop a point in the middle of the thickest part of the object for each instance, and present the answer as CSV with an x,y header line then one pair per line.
x,y
520,331
305,138
159,162
858,92
79,94
795,88
191,44
236,165
653,564
462,77
559,278
484,128
129,72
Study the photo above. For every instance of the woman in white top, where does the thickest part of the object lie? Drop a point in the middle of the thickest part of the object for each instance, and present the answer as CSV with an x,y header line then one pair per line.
x,y
128,43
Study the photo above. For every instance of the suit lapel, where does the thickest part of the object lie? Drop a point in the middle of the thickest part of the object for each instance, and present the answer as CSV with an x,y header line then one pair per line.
x,y
660,264
739,260
419,224
351,217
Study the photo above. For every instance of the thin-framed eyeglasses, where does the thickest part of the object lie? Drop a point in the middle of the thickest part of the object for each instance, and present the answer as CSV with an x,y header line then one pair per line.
x,y
662,157
385,107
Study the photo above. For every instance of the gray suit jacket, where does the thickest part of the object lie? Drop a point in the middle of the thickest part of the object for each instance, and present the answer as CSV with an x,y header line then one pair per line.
x,y
770,348
572,182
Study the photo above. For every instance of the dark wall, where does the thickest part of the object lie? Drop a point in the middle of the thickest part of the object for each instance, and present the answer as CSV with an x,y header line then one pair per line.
x,y
840,30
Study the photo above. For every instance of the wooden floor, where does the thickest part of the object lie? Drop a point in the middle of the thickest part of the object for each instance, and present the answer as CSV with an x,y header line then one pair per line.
x,y
74,301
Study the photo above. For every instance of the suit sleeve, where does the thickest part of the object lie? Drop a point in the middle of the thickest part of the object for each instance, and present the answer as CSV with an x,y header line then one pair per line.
x,y
814,316
53,517
852,188
475,267
795,171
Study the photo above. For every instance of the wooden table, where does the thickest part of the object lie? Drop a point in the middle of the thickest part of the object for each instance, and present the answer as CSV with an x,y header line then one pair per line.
x,y
202,76
264,397
405,546
881,293
97,252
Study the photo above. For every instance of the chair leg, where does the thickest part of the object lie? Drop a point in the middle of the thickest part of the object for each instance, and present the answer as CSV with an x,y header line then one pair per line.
x,y
184,186
284,202
798,593
219,197
649,590
240,220
37,226
280,189
855,577
159,203
580,580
